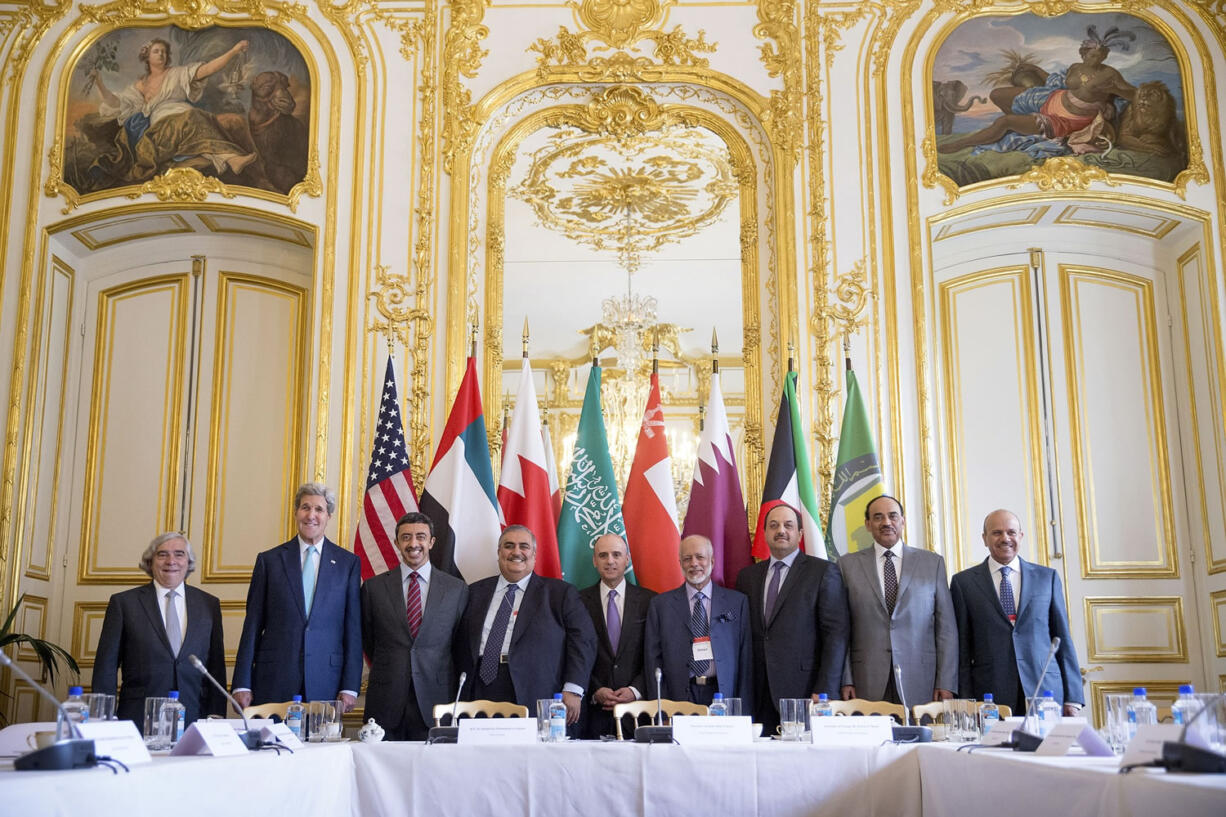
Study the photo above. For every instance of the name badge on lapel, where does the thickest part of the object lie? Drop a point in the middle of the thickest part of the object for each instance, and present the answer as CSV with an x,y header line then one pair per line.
x,y
702,649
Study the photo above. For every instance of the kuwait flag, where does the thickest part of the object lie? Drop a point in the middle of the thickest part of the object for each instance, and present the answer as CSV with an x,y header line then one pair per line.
x,y
459,493
590,508
717,506
789,477
650,506
857,475
523,490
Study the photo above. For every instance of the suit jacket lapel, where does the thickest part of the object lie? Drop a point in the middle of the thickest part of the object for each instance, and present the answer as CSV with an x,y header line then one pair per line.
x,y
197,617
534,597
149,601
399,607
868,564
479,599
794,578
291,561
631,610
596,610
904,576
1028,580
983,579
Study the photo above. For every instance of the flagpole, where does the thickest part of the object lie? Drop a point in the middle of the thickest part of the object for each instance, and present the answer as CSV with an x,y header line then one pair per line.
x,y
791,353
847,352
472,347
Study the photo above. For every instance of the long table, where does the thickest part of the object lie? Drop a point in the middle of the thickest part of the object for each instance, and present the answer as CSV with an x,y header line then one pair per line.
x,y
775,779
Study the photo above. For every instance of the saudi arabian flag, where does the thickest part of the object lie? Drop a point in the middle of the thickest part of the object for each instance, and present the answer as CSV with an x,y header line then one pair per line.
x,y
590,507
857,476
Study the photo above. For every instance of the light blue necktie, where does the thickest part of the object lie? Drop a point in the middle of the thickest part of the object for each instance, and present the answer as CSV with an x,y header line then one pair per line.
x,y
308,577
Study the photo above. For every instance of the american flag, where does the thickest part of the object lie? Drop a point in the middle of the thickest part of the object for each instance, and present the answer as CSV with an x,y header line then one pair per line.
x,y
389,486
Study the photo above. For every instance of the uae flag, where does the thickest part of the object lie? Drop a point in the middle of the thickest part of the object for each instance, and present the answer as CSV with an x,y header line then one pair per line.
x,y
523,490
459,494
857,476
650,505
590,508
789,478
717,506
389,486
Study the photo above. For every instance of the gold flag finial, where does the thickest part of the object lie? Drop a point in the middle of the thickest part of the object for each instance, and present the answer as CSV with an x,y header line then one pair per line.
x,y
525,336
472,348
714,359
655,349
791,355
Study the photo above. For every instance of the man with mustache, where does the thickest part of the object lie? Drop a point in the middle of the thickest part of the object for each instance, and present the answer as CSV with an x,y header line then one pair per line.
x,y
901,613
698,633
409,620
525,637
798,612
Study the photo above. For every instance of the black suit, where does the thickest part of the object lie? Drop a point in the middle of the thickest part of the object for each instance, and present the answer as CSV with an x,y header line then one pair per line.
x,y
552,642
623,669
134,639
800,651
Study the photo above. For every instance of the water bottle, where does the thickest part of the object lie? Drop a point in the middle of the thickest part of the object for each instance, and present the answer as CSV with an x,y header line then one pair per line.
x,y
1049,713
1140,712
170,725
1186,707
76,710
989,714
557,719
718,706
294,713
821,709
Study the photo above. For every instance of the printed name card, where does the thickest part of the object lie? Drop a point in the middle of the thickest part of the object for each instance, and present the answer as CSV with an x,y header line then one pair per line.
x,y
209,737
863,730
117,739
280,733
712,730
1001,731
1147,744
1062,737
497,731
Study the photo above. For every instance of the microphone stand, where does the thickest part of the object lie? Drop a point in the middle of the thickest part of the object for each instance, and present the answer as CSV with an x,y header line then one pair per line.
x,y
657,732
252,740
1023,739
73,752
1181,756
449,734
907,733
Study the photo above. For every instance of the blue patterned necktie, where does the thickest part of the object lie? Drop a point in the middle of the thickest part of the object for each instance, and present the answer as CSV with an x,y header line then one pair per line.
x,y
308,578
1006,594
699,628
498,634
890,577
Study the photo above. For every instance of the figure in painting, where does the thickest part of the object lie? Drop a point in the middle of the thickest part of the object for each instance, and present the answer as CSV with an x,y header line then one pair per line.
x,y
1078,106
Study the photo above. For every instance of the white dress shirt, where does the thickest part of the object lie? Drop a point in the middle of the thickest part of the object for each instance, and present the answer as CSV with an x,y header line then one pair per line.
x,y
180,605
897,549
423,583
1015,579
499,592
302,554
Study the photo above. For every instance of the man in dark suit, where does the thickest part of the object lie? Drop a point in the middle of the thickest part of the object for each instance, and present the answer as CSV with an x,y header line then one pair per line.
x,y
698,633
798,609
619,612
901,614
525,637
1005,630
303,630
410,616
149,631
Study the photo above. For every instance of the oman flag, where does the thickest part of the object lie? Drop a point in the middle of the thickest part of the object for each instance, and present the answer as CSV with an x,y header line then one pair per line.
x,y
650,505
523,489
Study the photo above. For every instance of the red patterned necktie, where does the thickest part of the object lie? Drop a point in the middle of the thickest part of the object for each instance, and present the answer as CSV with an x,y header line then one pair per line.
x,y
414,604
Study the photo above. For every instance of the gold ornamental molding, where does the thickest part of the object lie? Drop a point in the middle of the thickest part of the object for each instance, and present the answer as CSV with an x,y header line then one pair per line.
x,y
462,56
782,57
1166,612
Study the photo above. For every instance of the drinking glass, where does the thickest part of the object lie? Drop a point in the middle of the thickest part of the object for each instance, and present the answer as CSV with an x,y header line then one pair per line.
x,y
1211,725
542,719
1117,720
101,706
153,714
734,706
793,713
324,721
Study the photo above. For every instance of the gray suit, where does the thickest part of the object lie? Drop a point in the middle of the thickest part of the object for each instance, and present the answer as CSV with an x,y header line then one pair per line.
x,y
921,636
396,658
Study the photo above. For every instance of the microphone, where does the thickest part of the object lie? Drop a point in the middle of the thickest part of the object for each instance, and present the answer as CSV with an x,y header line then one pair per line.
x,y
1181,756
657,732
250,739
1023,739
907,733
73,752
449,734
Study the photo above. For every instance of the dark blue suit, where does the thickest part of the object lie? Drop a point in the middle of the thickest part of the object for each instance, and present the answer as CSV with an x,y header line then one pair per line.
x,y
283,652
1005,660
669,644
553,642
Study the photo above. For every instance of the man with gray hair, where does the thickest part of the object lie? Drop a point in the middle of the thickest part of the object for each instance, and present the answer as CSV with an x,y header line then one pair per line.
x,y
149,631
303,630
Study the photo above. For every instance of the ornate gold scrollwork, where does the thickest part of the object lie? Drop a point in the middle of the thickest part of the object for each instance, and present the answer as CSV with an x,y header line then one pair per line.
x,y
619,22
568,52
182,184
932,176
783,119
1062,174
462,56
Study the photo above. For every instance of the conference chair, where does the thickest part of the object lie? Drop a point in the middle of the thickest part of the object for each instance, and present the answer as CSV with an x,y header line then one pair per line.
x,y
473,709
638,709
934,712
859,706
267,710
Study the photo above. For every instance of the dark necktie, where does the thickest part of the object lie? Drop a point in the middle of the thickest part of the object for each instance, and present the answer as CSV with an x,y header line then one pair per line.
x,y
891,582
1006,594
498,634
413,604
772,590
699,628
613,621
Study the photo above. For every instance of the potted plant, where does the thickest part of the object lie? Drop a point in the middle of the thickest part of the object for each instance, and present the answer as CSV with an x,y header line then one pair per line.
x,y
49,654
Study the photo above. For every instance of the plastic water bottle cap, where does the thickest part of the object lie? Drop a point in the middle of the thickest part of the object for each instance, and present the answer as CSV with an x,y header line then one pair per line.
x,y
1047,693
557,696
1138,691
719,696
987,698
75,690
297,699
173,695
1185,689
823,697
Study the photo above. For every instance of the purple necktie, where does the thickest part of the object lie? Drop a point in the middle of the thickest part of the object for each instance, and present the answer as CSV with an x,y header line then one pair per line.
x,y
613,621
772,590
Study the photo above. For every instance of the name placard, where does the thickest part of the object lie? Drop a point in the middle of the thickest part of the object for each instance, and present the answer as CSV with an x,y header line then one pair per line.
x,y
209,737
497,731
117,739
1001,731
712,730
280,733
860,730
1146,745
1061,737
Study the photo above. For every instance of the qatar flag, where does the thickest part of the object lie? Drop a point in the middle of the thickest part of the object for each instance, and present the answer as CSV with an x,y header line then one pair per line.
x,y
523,489
650,506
